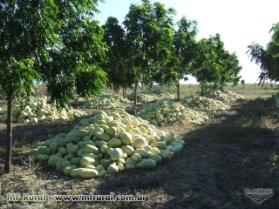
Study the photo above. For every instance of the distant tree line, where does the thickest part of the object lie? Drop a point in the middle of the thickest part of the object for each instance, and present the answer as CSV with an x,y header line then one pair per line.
x,y
149,47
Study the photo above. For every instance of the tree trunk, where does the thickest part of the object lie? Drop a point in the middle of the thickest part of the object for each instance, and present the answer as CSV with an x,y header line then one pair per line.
x,y
202,89
124,92
178,91
150,87
135,96
9,137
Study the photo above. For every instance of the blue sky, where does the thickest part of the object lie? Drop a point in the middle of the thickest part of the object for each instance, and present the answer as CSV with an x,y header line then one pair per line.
x,y
239,22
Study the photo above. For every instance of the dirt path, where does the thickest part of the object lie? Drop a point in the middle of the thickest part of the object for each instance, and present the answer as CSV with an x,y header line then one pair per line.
x,y
238,150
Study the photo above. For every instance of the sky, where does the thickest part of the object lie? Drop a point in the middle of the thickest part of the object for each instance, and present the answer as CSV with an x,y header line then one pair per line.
x,y
239,22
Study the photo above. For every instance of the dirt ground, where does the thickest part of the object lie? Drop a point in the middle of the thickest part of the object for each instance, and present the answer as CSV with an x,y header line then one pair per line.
x,y
239,149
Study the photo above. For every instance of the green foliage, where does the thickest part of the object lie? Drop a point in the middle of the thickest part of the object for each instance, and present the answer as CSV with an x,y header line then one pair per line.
x,y
182,52
18,77
61,38
25,26
55,41
185,46
214,66
267,58
117,64
149,36
158,52
72,65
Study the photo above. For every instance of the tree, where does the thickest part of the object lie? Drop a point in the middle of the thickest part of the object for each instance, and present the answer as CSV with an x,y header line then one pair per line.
x,y
230,70
73,64
214,66
161,37
25,26
148,28
117,63
58,42
267,58
183,53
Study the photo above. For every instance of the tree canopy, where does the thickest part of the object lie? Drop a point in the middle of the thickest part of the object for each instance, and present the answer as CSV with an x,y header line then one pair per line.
x,y
117,61
267,58
149,37
58,43
73,63
214,66
158,50
182,53
25,27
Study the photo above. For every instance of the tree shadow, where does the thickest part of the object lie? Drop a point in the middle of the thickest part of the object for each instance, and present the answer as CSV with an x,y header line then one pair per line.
x,y
218,162
26,136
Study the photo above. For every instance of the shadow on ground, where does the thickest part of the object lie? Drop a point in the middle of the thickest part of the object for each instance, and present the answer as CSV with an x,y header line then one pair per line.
x,y
25,136
219,161
238,150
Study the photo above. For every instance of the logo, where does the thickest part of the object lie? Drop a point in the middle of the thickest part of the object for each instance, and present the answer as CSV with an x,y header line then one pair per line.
x,y
259,195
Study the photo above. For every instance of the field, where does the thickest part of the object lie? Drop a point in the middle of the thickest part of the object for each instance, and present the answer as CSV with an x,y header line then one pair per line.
x,y
238,149
250,91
